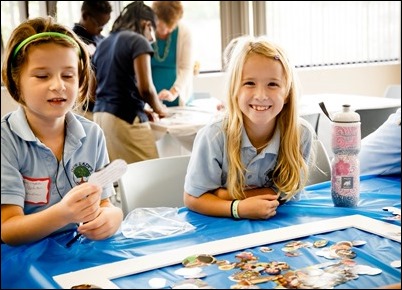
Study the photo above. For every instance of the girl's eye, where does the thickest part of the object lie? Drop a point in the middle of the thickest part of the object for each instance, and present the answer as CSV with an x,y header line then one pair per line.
x,y
248,83
41,76
272,84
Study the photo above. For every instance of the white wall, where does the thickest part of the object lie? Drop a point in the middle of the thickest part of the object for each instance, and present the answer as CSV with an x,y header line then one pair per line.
x,y
369,80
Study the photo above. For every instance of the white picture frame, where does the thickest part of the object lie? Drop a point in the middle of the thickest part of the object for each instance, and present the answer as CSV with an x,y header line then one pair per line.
x,y
102,275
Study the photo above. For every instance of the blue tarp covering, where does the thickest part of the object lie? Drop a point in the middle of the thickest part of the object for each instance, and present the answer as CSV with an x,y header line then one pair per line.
x,y
34,265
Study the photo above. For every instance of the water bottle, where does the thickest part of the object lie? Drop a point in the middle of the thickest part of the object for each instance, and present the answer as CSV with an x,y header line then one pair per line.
x,y
345,179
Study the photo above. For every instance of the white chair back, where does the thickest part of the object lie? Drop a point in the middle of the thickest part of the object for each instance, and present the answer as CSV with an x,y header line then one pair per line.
x,y
154,183
320,170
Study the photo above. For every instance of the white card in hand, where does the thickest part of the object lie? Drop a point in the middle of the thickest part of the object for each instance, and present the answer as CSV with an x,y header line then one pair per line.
x,y
109,174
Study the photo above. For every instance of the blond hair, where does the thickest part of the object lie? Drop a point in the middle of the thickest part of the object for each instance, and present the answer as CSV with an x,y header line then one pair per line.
x,y
291,171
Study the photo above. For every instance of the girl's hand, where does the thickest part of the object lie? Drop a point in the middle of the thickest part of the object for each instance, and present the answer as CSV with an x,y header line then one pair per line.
x,y
258,207
81,204
104,225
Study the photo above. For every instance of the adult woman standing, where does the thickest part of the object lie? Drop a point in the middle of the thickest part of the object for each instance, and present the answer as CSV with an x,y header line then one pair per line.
x,y
172,63
123,71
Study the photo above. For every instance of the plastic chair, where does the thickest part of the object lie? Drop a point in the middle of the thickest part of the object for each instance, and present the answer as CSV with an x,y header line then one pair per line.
x,y
154,183
320,170
371,119
393,92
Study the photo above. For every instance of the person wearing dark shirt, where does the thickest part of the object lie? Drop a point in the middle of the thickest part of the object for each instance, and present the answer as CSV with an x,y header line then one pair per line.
x,y
122,63
94,16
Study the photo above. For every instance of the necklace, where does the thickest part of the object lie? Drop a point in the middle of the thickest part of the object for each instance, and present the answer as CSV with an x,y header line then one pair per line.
x,y
165,51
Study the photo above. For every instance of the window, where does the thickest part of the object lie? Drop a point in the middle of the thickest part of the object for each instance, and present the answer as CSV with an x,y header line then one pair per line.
x,y
313,33
204,22
336,32
10,14
69,12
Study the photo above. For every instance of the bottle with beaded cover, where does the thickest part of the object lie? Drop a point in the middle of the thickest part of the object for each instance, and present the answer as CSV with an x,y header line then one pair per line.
x,y
346,136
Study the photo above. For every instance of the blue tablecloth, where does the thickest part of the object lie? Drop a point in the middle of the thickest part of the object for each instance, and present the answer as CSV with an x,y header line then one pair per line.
x,y
34,265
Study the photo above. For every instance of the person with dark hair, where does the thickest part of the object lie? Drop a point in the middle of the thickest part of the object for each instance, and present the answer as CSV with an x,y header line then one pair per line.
x,y
48,153
122,63
94,16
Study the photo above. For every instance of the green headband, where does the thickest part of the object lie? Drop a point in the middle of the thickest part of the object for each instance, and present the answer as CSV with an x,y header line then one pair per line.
x,y
42,34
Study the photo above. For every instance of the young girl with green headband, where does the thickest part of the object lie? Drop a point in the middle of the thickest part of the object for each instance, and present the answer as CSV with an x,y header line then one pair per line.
x,y
49,152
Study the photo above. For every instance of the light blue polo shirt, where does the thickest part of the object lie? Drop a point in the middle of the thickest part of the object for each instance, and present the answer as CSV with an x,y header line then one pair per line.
x,y
208,167
29,168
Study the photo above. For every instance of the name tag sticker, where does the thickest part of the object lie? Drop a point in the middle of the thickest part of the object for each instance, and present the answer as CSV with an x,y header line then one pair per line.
x,y
37,190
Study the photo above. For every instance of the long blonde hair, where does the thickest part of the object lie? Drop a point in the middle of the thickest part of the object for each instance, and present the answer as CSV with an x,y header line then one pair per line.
x,y
291,170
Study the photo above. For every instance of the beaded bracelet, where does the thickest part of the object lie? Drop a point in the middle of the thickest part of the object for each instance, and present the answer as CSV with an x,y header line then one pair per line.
x,y
234,209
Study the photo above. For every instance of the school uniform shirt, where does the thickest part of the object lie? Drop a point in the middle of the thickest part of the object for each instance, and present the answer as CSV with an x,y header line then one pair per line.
x,y
380,152
208,166
31,176
87,37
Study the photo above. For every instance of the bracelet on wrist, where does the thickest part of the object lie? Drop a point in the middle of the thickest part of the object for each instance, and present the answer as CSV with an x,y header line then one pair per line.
x,y
234,209
231,208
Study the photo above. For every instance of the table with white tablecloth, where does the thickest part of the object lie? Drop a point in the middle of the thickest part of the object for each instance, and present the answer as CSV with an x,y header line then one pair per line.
x,y
175,134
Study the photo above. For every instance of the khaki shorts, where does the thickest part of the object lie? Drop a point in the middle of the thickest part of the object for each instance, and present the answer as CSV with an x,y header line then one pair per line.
x,y
130,142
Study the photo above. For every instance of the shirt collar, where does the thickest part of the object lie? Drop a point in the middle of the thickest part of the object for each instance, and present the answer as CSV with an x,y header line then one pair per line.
x,y
19,125
273,146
